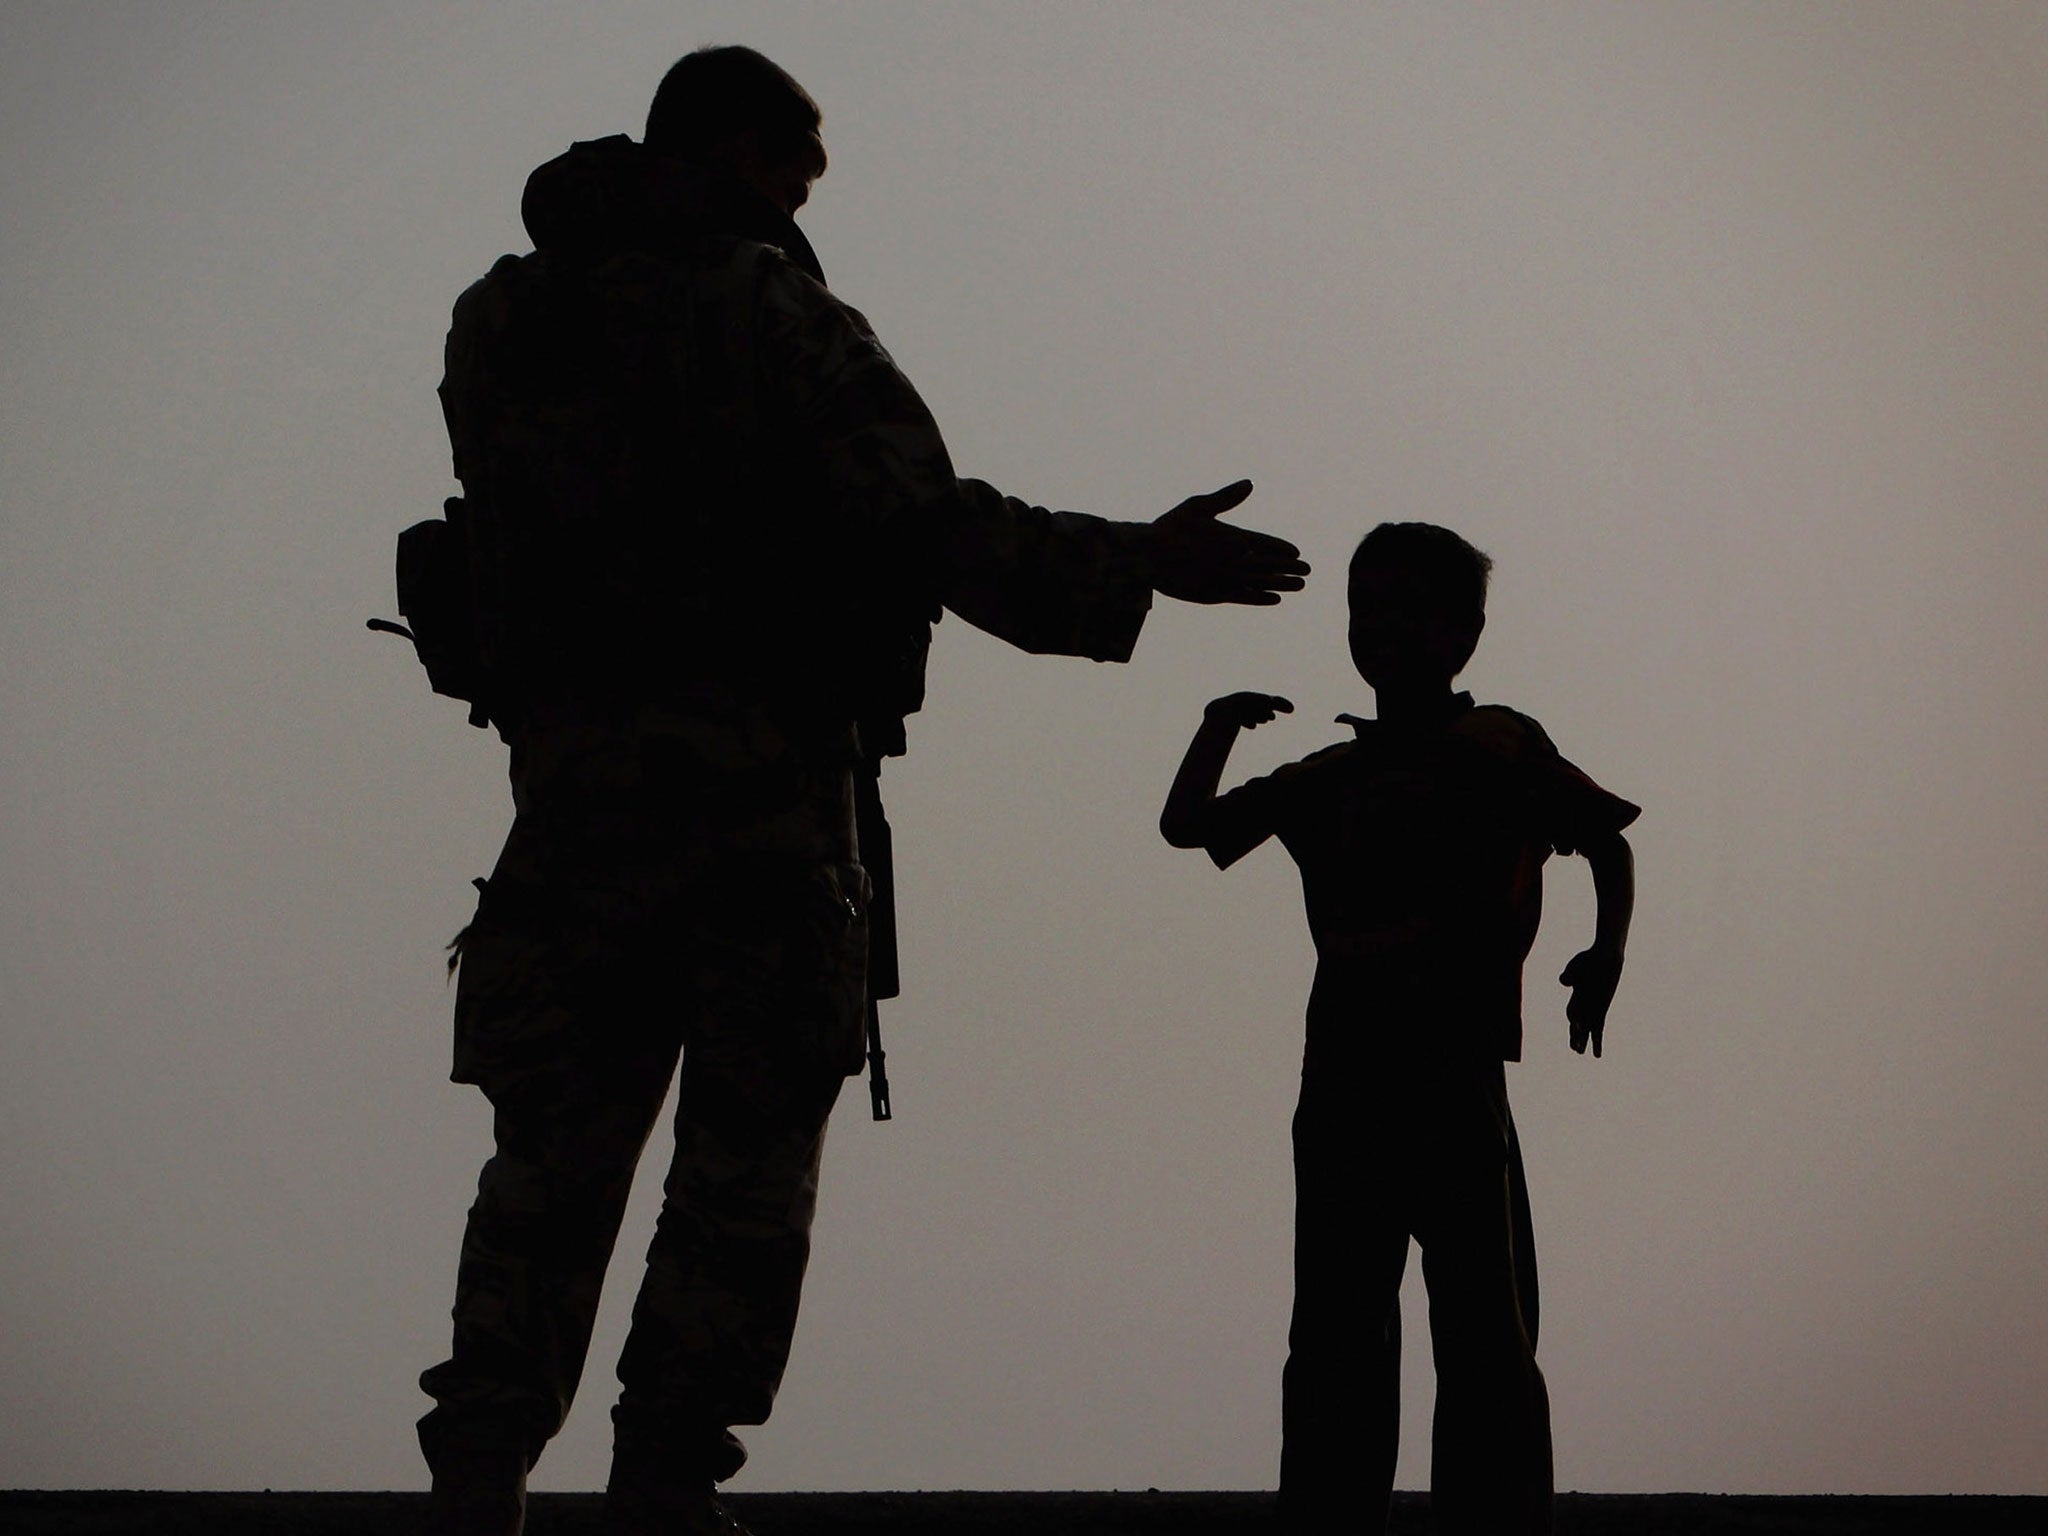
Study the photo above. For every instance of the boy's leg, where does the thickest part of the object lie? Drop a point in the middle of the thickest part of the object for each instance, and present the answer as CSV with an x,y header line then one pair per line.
x,y
1490,1448
1341,1389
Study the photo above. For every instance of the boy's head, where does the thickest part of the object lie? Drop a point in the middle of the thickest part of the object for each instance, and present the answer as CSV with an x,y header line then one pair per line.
x,y
1418,603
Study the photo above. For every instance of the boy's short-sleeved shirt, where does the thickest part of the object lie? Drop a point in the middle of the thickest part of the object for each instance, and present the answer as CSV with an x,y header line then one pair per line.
x,y
1421,850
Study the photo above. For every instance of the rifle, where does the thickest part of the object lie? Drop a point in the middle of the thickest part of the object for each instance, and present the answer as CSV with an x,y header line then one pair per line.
x,y
878,857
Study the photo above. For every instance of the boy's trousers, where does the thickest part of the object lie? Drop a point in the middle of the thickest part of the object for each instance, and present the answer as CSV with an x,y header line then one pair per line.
x,y
1385,1149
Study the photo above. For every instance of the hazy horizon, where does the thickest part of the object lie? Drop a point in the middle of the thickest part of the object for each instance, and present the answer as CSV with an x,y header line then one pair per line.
x,y
1724,329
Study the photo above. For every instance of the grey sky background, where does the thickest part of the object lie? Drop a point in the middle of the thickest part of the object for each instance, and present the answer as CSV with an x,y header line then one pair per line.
x,y
1723,328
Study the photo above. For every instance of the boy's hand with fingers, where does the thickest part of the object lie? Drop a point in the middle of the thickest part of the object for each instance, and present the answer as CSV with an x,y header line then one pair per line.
x,y
1592,974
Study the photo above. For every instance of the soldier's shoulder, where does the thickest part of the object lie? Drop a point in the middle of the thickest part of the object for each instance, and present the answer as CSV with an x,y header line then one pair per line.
x,y
781,279
815,323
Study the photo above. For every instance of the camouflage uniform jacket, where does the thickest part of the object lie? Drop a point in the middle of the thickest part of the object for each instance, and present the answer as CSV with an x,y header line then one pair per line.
x,y
706,479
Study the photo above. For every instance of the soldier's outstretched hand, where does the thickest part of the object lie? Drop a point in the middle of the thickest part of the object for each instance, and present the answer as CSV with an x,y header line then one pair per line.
x,y
1199,559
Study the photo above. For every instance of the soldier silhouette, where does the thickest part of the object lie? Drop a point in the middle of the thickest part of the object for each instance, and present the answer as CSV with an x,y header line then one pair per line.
x,y
709,526
1421,845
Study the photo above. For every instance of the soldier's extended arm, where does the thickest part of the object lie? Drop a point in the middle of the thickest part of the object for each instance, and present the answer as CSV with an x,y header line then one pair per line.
x,y
1185,821
1062,582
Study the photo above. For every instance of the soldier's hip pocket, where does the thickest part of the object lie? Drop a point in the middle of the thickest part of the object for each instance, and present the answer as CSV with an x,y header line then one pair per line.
x,y
783,961
530,987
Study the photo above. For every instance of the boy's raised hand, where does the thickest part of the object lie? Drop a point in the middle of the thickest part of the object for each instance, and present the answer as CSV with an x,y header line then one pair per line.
x,y
1184,822
1246,711
1592,974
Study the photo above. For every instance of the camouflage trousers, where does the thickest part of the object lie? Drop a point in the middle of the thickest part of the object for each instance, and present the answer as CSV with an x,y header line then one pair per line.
x,y
1389,1149
621,931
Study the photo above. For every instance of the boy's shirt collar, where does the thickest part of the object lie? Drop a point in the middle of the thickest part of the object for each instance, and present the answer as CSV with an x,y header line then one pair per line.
x,y
1456,705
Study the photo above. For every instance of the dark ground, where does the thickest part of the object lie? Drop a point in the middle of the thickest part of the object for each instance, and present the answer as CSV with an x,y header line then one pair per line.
x,y
1013,1514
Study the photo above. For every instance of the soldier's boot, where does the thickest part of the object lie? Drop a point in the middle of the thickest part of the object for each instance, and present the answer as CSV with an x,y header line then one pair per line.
x,y
479,1468
665,1507
665,1474
477,1491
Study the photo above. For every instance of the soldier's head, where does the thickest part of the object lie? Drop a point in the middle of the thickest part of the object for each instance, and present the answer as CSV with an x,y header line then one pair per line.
x,y
737,111
1418,603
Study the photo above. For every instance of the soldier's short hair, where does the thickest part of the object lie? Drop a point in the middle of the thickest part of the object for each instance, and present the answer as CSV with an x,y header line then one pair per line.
x,y
714,93
1452,567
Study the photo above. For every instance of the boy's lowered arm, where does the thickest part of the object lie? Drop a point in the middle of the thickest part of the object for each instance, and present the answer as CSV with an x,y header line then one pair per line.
x,y
1593,973
1185,821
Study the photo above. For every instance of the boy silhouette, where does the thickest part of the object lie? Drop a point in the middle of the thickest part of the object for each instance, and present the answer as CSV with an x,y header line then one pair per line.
x,y
1421,845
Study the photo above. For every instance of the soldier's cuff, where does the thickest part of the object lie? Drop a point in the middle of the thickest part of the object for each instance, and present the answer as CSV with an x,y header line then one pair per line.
x,y
1111,625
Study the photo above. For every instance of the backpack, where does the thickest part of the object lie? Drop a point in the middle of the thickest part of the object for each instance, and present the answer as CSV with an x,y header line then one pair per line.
x,y
438,597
